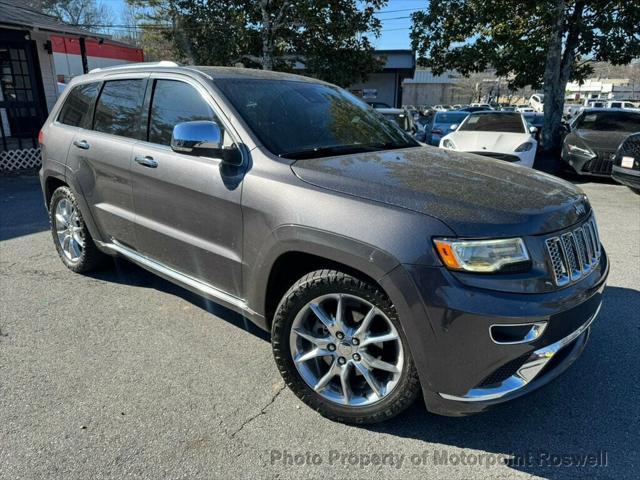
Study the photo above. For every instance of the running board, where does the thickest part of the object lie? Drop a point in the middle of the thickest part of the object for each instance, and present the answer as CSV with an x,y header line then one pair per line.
x,y
197,286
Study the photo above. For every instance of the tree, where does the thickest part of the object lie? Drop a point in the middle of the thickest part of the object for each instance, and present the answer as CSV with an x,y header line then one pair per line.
x,y
530,42
330,37
90,13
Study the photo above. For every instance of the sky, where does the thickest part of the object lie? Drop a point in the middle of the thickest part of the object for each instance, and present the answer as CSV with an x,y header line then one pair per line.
x,y
395,17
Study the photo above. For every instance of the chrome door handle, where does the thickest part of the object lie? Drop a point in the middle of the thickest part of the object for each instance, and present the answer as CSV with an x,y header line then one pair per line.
x,y
83,144
146,161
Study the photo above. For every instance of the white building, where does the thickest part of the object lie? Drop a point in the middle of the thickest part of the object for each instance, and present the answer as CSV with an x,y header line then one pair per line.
x,y
603,89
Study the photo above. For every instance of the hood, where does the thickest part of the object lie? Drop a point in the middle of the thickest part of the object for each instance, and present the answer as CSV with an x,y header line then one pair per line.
x,y
474,196
500,142
601,140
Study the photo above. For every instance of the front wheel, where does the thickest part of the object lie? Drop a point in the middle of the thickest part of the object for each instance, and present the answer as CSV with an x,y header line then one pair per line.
x,y
339,346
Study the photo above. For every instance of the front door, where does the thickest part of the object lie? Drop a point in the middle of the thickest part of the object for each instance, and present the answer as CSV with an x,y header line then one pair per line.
x,y
188,213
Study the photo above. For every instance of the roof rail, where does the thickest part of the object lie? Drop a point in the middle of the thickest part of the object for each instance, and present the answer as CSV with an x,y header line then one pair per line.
x,y
162,63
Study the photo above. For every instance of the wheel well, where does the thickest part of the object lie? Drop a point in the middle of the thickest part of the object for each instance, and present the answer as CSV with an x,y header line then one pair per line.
x,y
290,267
51,184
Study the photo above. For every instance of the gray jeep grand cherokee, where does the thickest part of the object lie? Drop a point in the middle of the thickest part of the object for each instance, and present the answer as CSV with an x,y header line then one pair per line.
x,y
382,268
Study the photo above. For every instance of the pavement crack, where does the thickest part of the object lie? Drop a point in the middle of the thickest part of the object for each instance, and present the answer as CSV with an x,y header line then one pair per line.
x,y
262,411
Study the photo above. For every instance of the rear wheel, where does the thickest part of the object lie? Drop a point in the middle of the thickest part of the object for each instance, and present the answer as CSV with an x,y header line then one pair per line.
x,y
71,237
339,346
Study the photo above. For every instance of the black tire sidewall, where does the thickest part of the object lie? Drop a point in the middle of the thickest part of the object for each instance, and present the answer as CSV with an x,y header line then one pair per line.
x,y
82,263
305,290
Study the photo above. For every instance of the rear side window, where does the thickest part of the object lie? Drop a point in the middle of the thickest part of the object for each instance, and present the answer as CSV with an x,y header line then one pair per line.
x,y
77,106
175,102
118,107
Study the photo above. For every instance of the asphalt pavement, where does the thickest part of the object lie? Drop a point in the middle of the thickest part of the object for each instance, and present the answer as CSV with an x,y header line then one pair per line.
x,y
120,374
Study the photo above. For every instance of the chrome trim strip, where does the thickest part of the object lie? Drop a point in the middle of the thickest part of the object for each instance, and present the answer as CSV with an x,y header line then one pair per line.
x,y
536,331
198,285
526,373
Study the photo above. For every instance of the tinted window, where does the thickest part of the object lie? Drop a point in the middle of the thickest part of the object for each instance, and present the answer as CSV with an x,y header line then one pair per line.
x,y
450,117
174,102
78,104
494,122
296,119
118,108
610,121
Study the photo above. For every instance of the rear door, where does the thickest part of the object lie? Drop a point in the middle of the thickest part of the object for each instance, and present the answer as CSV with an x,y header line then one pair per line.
x,y
100,157
188,213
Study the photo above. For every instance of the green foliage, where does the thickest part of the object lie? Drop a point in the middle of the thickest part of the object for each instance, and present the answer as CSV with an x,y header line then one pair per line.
x,y
513,36
329,36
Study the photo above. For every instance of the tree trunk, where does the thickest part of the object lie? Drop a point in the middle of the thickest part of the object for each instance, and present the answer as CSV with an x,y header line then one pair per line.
x,y
267,41
558,71
553,90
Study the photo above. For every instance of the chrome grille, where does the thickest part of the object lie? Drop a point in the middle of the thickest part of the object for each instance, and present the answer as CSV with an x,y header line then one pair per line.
x,y
573,254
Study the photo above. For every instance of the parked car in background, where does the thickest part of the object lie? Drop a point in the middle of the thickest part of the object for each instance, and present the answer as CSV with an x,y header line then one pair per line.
x,y
626,164
441,124
484,105
441,108
404,119
501,135
525,109
379,105
478,108
593,137
508,108
536,120
622,104
536,102
383,270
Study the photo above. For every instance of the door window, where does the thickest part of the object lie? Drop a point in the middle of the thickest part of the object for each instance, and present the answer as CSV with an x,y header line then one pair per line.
x,y
118,107
175,102
78,104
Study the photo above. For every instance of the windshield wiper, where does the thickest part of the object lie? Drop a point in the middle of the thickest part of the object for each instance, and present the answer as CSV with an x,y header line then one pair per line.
x,y
341,150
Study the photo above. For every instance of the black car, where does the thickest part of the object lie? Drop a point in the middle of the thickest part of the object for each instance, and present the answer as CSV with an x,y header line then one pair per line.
x,y
626,164
593,138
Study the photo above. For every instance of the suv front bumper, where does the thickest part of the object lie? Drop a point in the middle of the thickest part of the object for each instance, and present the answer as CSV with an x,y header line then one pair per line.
x,y
462,369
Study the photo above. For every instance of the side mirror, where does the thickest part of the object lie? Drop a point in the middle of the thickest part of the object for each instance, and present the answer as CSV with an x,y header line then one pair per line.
x,y
203,138
453,127
533,130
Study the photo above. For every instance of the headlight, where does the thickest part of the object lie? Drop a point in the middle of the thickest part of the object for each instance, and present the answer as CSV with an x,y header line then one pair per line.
x,y
481,255
448,144
585,152
525,147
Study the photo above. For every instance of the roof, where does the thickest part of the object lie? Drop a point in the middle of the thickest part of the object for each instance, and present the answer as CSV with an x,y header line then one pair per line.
x,y
14,13
391,111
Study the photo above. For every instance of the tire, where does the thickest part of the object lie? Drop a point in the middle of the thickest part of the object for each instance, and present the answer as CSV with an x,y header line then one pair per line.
x,y
85,257
344,402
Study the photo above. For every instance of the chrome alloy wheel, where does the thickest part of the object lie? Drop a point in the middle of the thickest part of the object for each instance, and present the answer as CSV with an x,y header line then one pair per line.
x,y
69,230
346,349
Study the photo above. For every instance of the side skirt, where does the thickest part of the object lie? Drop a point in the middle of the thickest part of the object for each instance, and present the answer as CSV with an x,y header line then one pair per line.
x,y
197,286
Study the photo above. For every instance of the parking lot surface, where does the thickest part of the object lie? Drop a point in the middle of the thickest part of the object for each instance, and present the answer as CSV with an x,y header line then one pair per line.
x,y
123,375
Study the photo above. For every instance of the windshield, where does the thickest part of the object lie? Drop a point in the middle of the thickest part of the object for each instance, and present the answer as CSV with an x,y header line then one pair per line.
x,y
296,119
493,122
610,121
450,117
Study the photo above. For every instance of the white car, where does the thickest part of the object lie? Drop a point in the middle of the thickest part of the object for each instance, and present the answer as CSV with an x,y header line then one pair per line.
x,y
501,135
537,102
526,110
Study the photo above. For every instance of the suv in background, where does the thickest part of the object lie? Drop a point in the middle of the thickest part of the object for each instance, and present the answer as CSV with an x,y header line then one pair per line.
x,y
382,268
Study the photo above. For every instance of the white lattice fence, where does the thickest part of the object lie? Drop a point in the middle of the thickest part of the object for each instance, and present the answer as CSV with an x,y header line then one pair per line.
x,y
12,160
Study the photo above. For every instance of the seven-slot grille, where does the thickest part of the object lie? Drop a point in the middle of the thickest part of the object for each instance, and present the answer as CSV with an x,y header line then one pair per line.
x,y
574,254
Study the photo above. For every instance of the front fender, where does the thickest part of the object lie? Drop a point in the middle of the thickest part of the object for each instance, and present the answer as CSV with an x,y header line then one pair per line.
x,y
356,254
